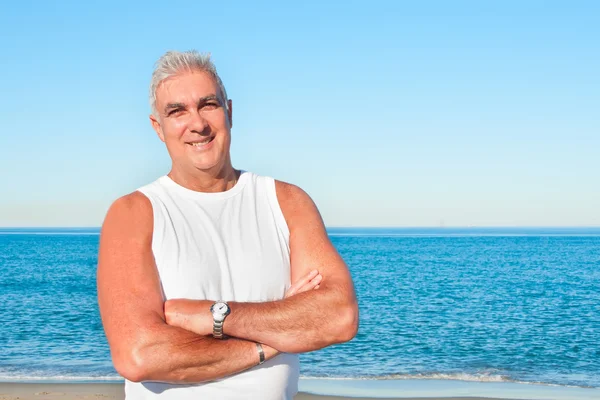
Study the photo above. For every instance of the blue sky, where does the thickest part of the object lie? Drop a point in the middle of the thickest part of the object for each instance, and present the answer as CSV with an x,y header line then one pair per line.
x,y
386,113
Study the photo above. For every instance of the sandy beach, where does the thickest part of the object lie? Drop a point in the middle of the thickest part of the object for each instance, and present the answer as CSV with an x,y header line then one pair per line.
x,y
114,391
328,390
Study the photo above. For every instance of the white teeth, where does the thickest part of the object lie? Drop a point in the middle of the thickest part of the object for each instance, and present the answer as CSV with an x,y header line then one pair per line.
x,y
201,143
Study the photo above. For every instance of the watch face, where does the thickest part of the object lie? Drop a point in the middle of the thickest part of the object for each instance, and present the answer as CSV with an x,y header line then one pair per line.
x,y
220,308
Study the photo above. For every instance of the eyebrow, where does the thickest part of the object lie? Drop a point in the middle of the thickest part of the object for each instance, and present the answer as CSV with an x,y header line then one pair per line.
x,y
172,106
201,100
211,97
207,98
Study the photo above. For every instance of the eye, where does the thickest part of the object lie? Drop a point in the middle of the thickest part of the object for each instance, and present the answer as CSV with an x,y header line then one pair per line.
x,y
210,106
175,112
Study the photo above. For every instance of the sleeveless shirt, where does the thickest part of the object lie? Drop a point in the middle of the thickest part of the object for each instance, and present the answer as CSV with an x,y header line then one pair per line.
x,y
231,246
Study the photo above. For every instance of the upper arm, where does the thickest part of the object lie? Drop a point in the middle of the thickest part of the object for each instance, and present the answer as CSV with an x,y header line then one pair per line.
x,y
129,293
310,247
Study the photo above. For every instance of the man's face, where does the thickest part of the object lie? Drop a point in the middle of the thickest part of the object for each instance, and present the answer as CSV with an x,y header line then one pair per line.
x,y
193,121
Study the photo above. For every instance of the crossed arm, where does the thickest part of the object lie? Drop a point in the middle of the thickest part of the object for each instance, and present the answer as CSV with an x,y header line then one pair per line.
x,y
143,346
305,322
149,341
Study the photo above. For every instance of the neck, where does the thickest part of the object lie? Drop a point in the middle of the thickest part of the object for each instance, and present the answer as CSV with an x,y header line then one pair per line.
x,y
209,181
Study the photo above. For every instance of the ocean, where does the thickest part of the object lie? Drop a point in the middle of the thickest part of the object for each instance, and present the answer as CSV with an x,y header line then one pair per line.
x,y
471,304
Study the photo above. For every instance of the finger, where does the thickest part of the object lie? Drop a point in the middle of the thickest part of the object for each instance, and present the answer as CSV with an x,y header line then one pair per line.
x,y
301,285
307,278
310,285
304,280
290,292
317,280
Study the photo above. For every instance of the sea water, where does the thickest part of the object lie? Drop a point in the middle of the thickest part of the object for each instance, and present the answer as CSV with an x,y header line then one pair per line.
x,y
499,305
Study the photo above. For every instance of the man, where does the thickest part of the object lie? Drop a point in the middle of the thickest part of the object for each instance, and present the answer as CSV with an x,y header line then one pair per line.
x,y
194,269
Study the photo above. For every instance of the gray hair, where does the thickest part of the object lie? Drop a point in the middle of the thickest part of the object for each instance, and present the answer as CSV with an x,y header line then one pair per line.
x,y
175,62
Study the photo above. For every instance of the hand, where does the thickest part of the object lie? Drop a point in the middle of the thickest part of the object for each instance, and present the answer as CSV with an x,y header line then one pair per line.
x,y
195,315
304,284
191,315
309,282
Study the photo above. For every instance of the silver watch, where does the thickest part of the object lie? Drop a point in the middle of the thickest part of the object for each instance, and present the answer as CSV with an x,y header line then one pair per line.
x,y
219,310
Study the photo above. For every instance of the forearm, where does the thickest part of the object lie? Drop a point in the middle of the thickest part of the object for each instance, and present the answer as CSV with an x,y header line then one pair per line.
x,y
305,322
172,354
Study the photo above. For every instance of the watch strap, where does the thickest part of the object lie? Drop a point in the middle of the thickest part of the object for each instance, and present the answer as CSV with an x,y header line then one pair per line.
x,y
218,328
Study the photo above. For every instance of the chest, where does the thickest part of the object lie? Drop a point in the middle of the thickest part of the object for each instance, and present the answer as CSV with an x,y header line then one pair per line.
x,y
232,256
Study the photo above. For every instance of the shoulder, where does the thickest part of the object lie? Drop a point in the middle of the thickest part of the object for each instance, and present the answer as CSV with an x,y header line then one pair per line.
x,y
291,194
296,205
129,213
132,203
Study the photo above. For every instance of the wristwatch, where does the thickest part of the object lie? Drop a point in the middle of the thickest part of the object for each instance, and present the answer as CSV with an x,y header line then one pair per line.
x,y
219,310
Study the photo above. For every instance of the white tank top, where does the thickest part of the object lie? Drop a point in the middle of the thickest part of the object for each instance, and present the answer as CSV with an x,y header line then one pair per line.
x,y
231,246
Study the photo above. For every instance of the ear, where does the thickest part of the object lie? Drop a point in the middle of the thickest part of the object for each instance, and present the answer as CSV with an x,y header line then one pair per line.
x,y
230,112
157,128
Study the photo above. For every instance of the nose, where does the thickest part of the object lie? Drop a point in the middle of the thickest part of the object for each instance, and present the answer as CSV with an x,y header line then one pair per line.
x,y
199,124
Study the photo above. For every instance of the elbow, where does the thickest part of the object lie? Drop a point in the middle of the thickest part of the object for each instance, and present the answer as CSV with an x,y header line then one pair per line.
x,y
347,325
129,371
131,366
132,374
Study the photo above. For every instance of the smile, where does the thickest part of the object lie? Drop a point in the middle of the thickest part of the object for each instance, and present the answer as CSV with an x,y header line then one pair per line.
x,y
202,143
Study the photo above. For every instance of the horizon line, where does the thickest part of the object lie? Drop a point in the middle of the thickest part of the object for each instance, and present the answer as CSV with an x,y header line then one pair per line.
x,y
369,227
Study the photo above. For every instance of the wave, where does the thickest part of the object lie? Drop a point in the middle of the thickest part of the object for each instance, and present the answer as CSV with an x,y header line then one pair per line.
x,y
60,378
456,376
440,376
459,376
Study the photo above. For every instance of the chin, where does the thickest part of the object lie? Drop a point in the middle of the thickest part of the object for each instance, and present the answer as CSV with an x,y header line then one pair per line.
x,y
205,165
214,158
